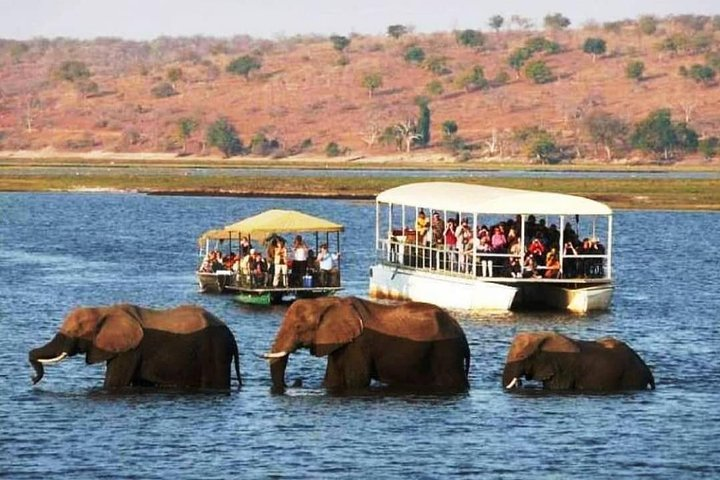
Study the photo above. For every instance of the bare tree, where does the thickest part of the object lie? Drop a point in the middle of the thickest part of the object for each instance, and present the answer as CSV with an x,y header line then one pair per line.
x,y
31,108
687,108
407,133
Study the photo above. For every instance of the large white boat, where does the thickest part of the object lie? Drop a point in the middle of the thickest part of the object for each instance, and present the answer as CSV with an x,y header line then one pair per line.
x,y
431,247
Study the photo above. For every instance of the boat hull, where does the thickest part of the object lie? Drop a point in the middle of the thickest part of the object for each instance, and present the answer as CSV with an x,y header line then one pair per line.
x,y
468,293
215,282
442,290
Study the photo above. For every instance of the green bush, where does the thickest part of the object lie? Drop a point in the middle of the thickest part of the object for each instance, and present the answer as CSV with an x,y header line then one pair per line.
x,y
243,65
634,70
332,149
222,134
539,72
414,54
470,38
709,147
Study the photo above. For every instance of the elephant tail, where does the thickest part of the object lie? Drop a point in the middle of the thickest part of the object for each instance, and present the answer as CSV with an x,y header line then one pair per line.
x,y
236,359
467,360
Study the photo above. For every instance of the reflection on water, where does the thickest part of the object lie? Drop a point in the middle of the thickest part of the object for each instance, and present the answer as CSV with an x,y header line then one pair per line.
x,y
58,251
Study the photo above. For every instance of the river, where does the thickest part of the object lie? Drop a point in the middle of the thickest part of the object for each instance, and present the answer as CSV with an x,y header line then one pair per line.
x,y
58,251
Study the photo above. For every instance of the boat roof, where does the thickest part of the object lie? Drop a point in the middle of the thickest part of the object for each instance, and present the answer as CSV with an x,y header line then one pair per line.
x,y
273,221
468,198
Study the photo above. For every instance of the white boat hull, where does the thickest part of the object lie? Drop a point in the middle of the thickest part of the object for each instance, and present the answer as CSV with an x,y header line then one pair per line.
x,y
442,290
457,292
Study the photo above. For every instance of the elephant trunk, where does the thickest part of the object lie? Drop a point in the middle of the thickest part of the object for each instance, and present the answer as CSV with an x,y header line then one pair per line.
x,y
511,375
52,352
277,373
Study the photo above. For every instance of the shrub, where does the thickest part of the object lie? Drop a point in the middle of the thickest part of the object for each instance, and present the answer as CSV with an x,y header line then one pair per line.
x,y
634,70
72,70
414,54
709,147
539,72
470,38
332,149
397,31
243,65
339,42
435,88
163,90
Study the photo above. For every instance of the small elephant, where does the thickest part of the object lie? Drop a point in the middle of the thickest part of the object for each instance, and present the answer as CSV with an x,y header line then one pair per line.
x,y
183,347
562,363
411,345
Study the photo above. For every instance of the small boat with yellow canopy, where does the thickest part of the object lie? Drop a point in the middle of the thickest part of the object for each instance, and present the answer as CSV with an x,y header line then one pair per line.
x,y
241,259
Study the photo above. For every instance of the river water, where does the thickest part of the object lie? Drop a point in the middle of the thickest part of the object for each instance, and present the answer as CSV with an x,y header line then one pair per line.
x,y
58,251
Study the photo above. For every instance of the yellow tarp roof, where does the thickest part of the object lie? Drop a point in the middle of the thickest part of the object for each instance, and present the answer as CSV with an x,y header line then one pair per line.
x,y
273,221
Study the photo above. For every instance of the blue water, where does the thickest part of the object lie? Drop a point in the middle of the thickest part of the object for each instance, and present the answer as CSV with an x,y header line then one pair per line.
x,y
337,172
58,251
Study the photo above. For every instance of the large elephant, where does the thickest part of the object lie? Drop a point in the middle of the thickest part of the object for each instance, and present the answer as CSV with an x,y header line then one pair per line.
x,y
180,347
562,363
413,345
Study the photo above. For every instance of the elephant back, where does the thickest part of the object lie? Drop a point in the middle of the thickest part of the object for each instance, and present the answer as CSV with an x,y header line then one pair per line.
x,y
182,320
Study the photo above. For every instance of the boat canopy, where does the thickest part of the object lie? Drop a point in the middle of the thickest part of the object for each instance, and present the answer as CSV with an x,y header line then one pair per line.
x,y
478,199
273,221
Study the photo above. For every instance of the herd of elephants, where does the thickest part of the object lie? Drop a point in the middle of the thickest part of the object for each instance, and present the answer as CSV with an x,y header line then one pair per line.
x,y
412,345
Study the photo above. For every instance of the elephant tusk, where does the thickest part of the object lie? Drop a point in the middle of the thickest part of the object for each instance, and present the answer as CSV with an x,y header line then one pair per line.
x,y
49,361
275,355
512,384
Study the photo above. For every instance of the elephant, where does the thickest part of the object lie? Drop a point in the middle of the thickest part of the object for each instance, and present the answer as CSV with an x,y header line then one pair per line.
x,y
562,363
411,345
183,347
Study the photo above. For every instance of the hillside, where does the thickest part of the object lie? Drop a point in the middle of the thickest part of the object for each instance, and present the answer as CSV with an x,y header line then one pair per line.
x,y
306,89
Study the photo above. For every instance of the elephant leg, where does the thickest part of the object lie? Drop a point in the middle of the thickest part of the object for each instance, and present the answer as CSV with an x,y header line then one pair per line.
x,y
448,365
121,370
348,368
217,347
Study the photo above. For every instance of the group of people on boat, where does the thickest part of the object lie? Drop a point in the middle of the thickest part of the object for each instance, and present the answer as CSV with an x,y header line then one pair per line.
x,y
280,267
506,248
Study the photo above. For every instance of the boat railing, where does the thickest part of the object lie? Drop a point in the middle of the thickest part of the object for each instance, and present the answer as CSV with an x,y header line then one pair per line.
x,y
443,259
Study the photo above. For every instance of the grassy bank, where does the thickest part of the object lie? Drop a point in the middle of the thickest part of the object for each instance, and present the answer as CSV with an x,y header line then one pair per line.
x,y
670,194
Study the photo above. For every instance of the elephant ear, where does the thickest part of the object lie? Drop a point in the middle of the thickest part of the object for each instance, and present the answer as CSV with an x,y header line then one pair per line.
x,y
117,332
526,344
339,324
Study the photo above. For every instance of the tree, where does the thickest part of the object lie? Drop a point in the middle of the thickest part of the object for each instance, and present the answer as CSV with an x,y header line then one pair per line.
x,y
406,134
539,72
449,128
659,135
634,70
243,65
647,24
414,54
517,59
606,130
222,134
72,71
496,22
470,38
702,74
397,31
538,144
594,46
339,42
423,125
186,127
372,81
473,80
556,21
542,44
